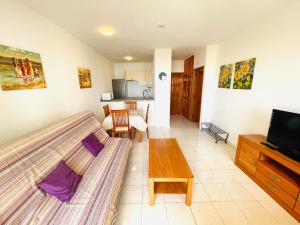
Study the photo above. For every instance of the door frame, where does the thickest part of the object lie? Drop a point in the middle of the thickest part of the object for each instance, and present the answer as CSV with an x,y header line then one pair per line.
x,y
200,69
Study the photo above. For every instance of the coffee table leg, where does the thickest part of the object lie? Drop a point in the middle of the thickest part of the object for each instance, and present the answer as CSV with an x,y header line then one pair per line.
x,y
140,136
151,191
188,201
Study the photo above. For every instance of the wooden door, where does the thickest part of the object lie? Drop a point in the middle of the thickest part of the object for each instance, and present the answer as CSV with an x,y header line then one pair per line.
x,y
187,89
197,94
176,93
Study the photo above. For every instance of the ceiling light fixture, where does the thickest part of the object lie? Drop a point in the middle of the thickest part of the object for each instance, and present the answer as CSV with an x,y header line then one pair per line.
x,y
161,25
107,31
128,58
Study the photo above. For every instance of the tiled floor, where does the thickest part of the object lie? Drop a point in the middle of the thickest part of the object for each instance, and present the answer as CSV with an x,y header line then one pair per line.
x,y
222,194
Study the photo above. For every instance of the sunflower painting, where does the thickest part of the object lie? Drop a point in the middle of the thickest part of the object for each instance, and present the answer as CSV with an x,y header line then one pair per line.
x,y
243,75
225,76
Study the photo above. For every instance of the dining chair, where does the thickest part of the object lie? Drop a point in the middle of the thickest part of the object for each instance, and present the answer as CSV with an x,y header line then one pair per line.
x,y
106,110
146,120
120,120
131,105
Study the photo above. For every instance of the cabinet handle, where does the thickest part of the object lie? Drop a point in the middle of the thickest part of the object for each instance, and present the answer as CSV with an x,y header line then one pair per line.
x,y
273,177
270,186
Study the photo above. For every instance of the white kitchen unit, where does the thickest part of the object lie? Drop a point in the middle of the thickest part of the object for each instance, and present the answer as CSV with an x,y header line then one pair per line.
x,y
143,77
141,105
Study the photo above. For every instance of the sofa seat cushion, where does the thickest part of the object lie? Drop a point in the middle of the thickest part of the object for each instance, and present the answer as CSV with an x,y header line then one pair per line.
x,y
96,198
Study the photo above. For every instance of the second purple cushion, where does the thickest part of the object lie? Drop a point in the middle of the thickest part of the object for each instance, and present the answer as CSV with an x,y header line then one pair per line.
x,y
92,143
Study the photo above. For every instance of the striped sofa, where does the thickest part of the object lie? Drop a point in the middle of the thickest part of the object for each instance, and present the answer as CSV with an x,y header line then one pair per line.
x,y
27,160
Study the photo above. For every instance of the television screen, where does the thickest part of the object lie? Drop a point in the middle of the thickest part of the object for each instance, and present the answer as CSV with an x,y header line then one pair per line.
x,y
284,131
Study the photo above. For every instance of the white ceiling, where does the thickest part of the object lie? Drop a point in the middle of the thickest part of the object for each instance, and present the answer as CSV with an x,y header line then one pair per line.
x,y
190,24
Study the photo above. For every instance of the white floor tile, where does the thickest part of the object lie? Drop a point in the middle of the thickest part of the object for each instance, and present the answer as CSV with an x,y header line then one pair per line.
x,y
224,176
133,178
132,194
256,191
216,192
206,177
135,166
238,192
205,214
256,214
179,214
129,214
278,213
199,194
231,214
154,215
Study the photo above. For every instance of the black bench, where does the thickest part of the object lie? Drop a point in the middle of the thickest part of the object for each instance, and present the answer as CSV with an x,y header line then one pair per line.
x,y
214,131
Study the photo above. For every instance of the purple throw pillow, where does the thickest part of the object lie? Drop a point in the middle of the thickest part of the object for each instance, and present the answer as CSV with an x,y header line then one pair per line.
x,y
92,143
61,182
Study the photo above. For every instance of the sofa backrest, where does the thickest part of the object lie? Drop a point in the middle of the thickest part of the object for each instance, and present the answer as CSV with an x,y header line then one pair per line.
x,y
27,160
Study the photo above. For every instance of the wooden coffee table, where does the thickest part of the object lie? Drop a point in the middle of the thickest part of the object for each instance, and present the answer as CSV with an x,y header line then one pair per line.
x,y
169,172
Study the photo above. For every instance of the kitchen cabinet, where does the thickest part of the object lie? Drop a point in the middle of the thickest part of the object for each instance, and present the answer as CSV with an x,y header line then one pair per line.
x,y
144,77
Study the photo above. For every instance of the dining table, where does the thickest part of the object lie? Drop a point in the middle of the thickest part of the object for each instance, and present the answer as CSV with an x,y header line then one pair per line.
x,y
135,120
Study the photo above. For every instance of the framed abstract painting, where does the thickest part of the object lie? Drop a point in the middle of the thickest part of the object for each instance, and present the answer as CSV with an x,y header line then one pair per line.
x,y
225,76
20,69
84,76
243,74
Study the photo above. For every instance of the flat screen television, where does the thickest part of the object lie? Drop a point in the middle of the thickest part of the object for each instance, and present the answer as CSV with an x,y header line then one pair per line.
x,y
284,133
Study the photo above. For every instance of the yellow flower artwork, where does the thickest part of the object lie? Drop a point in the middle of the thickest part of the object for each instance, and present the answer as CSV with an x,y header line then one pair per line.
x,y
243,75
225,76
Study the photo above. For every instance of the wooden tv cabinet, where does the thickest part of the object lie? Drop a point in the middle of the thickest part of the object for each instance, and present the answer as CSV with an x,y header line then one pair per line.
x,y
274,172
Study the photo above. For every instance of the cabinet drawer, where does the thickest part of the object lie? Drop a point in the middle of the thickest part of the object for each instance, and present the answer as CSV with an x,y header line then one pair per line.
x,y
248,160
284,196
277,179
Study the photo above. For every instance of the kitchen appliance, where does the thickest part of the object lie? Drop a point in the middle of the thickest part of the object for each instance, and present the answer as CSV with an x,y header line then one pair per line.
x,y
107,96
284,133
119,88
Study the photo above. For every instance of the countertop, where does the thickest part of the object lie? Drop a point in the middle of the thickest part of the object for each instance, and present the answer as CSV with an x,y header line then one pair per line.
x,y
128,99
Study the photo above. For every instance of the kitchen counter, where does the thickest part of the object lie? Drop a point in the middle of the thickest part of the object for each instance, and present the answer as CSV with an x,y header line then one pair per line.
x,y
129,99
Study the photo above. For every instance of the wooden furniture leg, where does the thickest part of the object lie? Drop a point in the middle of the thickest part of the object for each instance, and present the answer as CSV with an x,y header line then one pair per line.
x,y
188,201
151,191
140,136
133,132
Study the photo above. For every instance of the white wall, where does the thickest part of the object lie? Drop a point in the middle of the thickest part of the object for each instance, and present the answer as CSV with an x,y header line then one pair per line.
x,y
200,57
209,81
275,42
162,63
177,66
121,68
61,53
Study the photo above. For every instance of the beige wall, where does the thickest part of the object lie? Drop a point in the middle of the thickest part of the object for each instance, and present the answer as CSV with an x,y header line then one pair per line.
x,y
177,66
275,44
61,53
